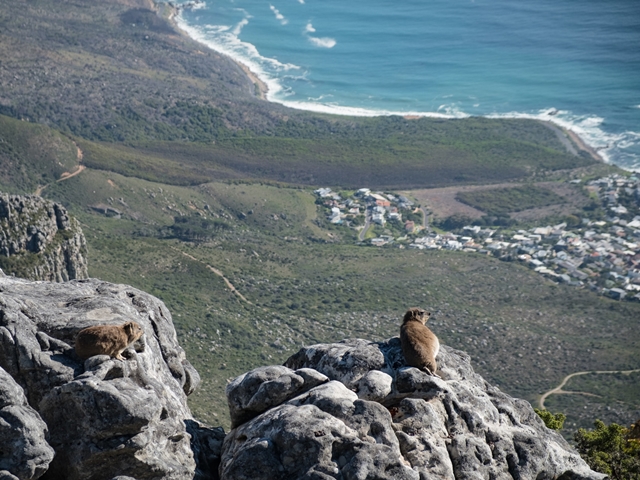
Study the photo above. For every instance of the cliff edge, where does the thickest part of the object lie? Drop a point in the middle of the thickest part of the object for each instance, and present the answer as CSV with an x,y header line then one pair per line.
x,y
354,410
39,240
348,410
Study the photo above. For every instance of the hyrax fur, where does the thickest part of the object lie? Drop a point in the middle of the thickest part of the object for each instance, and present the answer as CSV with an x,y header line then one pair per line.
x,y
420,346
109,340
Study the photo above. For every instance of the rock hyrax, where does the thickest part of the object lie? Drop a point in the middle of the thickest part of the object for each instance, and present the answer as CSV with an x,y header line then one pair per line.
x,y
419,344
107,339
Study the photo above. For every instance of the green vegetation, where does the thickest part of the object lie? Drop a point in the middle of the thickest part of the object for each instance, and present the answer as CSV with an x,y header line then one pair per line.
x,y
20,265
613,398
501,201
611,449
197,228
435,157
610,387
551,420
32,155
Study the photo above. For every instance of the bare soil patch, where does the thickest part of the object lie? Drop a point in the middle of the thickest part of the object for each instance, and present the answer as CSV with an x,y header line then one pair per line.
x,y
443,203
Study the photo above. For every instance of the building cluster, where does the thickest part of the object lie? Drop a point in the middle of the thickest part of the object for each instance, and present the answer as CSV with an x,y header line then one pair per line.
x,y
603,255
374,207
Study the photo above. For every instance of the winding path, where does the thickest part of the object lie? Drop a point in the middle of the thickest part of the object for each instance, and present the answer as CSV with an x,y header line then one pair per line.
x,y
68,175
558,389
217,272
65,175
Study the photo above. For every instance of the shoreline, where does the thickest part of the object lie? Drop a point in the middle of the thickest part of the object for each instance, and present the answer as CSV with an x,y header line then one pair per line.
x,y
170,12
584,146
262,90
572,141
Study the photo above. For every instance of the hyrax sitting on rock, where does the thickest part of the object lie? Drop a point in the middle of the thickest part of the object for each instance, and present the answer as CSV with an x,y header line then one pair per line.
x,y
419,344
109,340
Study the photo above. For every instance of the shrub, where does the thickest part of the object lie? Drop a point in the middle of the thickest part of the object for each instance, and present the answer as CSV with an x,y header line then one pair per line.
x,y
611,449
552,421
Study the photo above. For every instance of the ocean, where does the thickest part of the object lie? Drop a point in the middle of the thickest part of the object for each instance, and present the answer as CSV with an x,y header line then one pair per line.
x,y
573,62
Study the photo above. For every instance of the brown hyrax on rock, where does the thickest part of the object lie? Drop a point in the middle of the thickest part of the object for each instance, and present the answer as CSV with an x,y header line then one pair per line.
x,y
109,340
419,344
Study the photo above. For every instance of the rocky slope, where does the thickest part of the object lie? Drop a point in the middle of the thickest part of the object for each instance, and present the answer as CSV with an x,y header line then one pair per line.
x,y
39,240
351,410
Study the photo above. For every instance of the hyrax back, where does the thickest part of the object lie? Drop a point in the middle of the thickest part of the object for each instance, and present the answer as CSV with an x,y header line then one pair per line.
x,y
419,344
109,340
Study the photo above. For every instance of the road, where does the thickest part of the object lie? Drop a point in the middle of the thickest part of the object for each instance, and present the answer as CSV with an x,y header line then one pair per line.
x,y
425,218
558,389
367,224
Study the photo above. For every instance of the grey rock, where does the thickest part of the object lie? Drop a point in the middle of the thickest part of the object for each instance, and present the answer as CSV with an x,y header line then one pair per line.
x,y
26,455
31,227
406,424
105,417
322,434
374,385
347,361
258,390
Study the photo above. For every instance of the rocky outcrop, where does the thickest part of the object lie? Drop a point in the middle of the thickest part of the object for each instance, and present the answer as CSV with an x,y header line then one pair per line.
x,y
350,410
354,410
105,417
39,240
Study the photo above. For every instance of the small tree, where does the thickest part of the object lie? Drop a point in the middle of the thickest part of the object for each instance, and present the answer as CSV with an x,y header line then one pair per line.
x,y
610,449
554,422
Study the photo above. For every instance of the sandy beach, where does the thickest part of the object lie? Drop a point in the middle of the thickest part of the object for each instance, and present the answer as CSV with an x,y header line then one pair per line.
x,y
582,145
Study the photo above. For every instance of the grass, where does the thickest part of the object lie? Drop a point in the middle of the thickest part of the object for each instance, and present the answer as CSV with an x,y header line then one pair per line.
x,y
501,201
32,155
615,403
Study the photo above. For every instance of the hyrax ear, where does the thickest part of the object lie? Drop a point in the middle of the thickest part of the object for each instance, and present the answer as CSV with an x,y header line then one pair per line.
x,y
128,327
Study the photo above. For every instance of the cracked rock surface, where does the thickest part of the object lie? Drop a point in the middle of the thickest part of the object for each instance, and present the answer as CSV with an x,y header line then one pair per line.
x,y
25,453
105,417
375,418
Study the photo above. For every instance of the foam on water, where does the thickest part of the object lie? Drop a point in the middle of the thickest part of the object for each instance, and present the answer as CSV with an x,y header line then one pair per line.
x,y
224,39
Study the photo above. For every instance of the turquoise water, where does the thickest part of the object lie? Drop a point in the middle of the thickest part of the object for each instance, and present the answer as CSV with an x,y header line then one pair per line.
x,y
576,63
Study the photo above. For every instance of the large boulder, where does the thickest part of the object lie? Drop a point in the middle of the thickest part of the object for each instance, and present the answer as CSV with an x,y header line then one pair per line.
x,y
105,417
376,418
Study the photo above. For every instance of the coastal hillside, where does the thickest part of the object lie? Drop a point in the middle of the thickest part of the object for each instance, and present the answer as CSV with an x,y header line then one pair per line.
x,y
253,271
144,100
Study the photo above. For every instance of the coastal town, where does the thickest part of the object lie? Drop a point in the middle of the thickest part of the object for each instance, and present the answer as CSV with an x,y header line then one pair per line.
x,y
600,254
